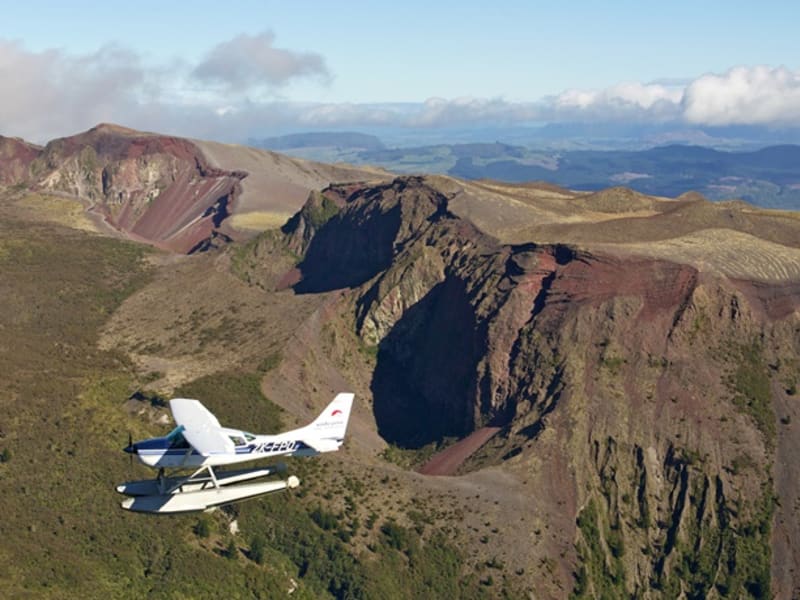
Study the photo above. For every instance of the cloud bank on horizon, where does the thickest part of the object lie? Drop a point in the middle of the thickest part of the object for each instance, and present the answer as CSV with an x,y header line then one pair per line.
x,y
234,92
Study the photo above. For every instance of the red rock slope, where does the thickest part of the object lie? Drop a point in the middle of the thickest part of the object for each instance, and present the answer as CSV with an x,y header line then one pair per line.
x,y
16,155
172,192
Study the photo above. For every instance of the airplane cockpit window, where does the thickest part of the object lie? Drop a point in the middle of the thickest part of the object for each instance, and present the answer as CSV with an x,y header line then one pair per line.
x,y
239,441
176,439
249,437
179,442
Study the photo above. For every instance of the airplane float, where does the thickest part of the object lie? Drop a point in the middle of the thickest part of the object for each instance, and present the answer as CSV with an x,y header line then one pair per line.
x,y
200,443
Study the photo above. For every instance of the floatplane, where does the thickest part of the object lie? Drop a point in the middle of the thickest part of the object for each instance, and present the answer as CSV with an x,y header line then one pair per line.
x,y
200,443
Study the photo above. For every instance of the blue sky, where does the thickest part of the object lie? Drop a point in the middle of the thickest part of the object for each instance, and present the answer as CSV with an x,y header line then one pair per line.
x,y
224,69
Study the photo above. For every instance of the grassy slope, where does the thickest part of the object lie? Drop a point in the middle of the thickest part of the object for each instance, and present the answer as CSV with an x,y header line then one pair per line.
x,y
63,423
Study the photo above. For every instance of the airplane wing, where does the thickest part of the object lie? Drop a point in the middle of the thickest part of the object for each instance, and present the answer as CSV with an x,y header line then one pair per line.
x,y
200,428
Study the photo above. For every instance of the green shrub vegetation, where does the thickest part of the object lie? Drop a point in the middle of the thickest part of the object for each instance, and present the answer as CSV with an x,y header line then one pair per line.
x,y
401,564
613,364
320,211
258,549
202,528
728,555
751,387
66,419
600,573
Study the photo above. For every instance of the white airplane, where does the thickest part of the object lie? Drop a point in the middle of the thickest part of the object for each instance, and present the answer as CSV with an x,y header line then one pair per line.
x,y
199,442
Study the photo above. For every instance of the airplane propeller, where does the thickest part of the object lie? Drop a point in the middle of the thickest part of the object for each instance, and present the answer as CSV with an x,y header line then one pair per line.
x,y
130,449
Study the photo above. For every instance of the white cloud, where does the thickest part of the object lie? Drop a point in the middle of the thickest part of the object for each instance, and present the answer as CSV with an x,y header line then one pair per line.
x,y
439,112
344,114
645,96
759,95
52,93
249,61
626,101
46,91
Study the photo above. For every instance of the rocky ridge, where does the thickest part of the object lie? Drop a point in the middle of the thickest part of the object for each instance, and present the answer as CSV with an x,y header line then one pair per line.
x,y
653,401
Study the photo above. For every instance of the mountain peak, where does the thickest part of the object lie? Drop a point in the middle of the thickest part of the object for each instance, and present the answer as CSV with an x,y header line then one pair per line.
x,y
113,128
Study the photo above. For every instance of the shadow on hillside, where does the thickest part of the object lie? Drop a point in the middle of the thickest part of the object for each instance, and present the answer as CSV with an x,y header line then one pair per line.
x,y
348,250
424,377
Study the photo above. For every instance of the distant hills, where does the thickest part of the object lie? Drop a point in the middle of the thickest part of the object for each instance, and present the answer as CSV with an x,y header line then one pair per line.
x,y
327,146
342,139
769,177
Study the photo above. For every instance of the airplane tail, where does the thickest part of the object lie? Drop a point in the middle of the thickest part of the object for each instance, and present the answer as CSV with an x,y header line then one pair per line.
x,y
332,422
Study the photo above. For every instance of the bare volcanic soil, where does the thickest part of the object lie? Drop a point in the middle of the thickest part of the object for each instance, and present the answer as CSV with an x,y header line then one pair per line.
x,y
166,190
449,460
16,155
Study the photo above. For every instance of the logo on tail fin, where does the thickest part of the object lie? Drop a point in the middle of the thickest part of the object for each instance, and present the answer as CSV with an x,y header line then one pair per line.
x,y
332,422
